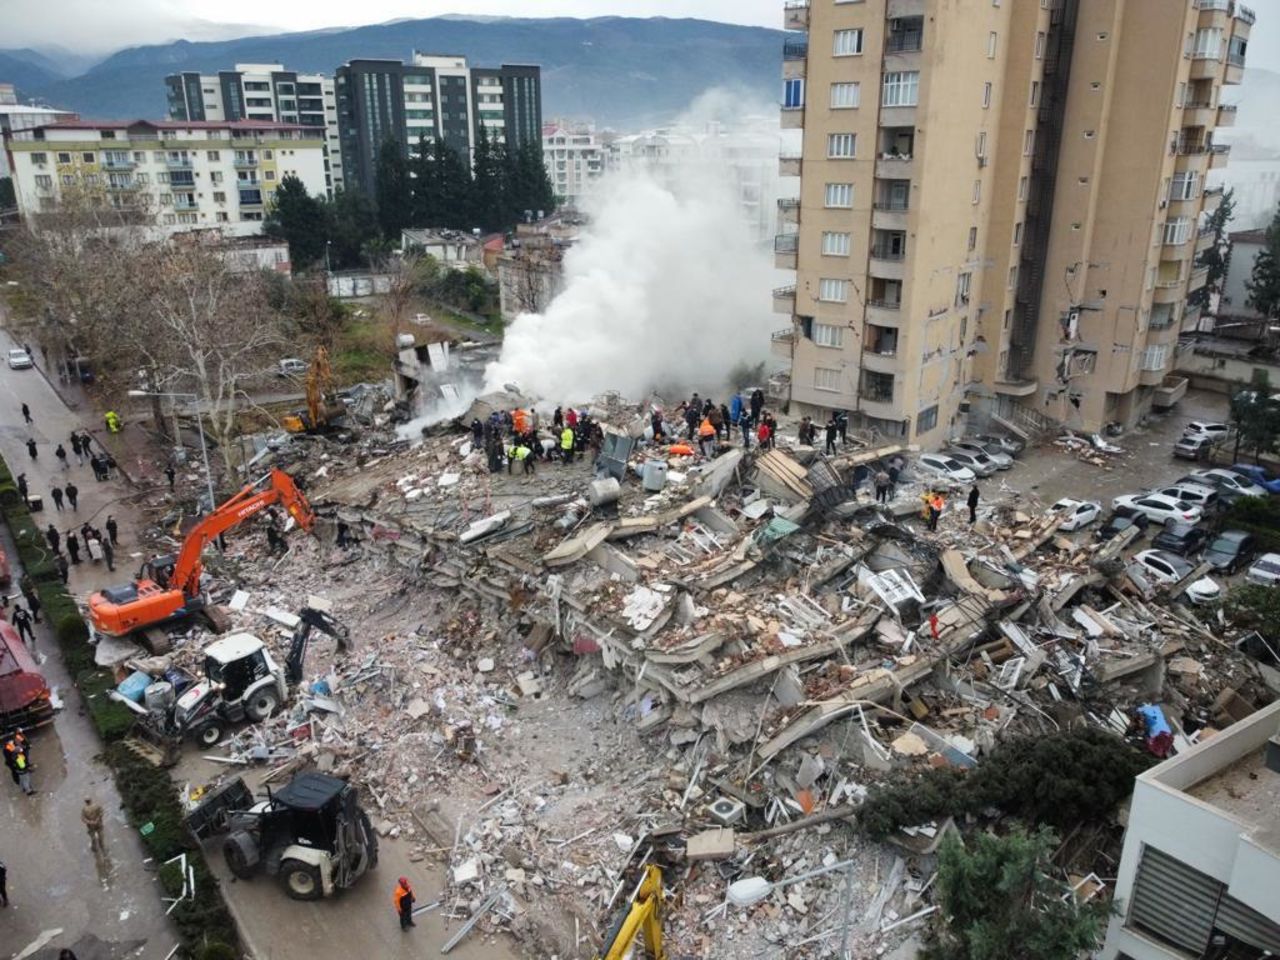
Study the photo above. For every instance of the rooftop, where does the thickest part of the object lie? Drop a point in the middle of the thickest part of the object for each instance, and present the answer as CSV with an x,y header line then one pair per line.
x,y
1248,236
1246,791
234,125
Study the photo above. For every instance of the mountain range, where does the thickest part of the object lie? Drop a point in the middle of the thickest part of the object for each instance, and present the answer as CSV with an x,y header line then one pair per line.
x,y
619,71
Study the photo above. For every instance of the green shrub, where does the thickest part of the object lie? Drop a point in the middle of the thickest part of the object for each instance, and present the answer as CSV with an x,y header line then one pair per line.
x,y
112,719
217,951
8,493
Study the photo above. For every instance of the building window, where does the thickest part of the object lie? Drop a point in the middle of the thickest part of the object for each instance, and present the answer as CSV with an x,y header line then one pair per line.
x,y
977,191
1013,276
1155,357
824,378
980,148
39,159
793,94
45,182
1185,186
986,95
833,291
973,238
1017,234
964,287
1208,44
1177,231
1040,45
64,158
840,146
901,88
1008,318
213,156
215,176
1035,93
1028,143
1022,188
845,96
828,335
991,45
839,195
835,244
88,157
927,419
68,180
219,196
848,43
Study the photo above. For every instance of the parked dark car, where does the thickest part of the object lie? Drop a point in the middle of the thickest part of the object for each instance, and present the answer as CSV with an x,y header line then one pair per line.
x,y
1122,519
1180,538
1230,550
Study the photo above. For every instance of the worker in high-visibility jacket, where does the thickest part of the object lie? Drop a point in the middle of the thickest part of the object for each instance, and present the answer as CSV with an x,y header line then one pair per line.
x,y
403,899
567,440
113,421
519,453
707,436
19,764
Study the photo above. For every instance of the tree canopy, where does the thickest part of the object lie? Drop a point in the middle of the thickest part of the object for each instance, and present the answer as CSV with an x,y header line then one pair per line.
x,y
1217,255
1264,282
299,219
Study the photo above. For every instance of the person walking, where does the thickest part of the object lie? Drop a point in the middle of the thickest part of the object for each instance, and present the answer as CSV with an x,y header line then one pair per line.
x,y
22,486
56,493
169,474
936,504
109,553
894,472
73,546
21,621
403,899
26,414
54,537
113,528
31,449
4,885
832,429
33,602
73,494
882,486
18,762
91,817
77,448
64,570
973,504
61,453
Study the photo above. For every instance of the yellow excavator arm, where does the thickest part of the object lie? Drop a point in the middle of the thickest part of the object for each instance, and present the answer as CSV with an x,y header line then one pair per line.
x,y
644,919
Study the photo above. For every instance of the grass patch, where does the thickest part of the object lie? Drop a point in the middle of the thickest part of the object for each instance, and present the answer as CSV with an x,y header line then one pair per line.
x,y
362,352
491,325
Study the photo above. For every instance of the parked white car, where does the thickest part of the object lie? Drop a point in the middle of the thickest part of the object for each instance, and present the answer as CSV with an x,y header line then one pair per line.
x,y
1159,508
1207,428
1001,459
291,367
1265,570
979,463
944,467
1010,445
19,359
1197,494
1165,567
1076,514
1228,481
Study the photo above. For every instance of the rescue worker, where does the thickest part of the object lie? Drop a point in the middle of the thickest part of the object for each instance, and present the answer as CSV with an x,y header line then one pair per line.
x,y
757,404
520,452
113,421
275,542
882,486
763,436
91,817
21,621
973,504
567,440
403,899
18,762
707,436
936,504
833,427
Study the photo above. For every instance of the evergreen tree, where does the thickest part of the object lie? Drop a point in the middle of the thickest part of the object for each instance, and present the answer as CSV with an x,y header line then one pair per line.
x,y
352,227
8,198
394,199
1001,901
298,219
428,196
530,188
1264,283
1216,256
491,189
457,208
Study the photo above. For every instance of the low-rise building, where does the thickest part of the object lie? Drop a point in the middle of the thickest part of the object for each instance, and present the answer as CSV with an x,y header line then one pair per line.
x,y
452,248
1200,873
1233,306
186,174
530,268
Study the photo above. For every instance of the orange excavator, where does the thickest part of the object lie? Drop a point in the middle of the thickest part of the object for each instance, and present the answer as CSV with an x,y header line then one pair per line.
x,y
168,588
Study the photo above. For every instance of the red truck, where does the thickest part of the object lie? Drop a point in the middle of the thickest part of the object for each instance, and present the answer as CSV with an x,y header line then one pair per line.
x,y
25,699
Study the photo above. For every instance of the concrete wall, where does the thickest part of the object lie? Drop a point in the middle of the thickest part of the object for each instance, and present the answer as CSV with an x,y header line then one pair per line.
x,y
1235,297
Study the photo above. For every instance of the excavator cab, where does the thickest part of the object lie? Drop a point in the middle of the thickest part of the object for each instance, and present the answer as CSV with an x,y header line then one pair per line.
x,y
158,569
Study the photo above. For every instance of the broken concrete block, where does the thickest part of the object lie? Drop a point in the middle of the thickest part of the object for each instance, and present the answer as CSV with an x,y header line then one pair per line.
x,y
467,871
715,844
283,617
239,600
485,665
529,684
811,768
416,708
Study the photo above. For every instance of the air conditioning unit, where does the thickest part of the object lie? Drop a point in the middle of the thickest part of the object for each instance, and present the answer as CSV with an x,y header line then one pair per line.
x,y
1163,204
982,161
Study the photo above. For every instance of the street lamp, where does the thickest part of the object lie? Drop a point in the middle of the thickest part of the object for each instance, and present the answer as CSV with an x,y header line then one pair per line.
x,y
204,451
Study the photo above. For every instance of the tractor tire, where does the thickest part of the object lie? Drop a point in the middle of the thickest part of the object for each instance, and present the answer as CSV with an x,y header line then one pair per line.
x,y
301,880
262,705
373,840
208,734
241,854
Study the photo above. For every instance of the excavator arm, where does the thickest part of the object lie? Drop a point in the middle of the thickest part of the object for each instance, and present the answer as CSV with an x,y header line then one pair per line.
x,y
310,619
251,500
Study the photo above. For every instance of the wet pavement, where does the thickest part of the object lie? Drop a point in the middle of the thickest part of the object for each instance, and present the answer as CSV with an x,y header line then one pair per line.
x,y
55,881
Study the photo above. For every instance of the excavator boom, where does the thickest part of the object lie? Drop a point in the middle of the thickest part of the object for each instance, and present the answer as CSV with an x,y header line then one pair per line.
x,y
121,610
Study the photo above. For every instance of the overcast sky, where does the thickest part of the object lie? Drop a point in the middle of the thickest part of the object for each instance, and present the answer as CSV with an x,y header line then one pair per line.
x,y
100,26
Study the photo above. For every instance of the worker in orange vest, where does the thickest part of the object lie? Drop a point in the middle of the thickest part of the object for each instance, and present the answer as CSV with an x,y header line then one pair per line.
x,y
935,510
403,899
706,435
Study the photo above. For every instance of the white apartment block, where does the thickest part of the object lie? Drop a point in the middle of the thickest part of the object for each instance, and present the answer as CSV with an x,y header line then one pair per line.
x,y
15,116
574,159
1200,872
187,174
266,92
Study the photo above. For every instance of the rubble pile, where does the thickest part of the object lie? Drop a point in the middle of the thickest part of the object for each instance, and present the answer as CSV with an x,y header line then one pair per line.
x,y
558,678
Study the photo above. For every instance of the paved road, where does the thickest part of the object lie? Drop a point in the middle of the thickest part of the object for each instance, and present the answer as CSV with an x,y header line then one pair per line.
x,y
54,880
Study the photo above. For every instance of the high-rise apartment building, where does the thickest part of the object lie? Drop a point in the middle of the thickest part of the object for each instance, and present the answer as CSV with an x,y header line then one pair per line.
x,y
1000,203
262,91
574,158
431,97
187,175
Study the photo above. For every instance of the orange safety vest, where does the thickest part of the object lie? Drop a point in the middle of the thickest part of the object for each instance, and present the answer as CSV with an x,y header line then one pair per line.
x,y
937,503
705,429
399,895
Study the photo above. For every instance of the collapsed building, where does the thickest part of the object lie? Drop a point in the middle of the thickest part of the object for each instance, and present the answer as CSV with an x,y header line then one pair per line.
x,y
700,663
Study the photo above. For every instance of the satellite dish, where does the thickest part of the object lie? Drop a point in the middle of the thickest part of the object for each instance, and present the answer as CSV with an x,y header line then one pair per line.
x,y
749,890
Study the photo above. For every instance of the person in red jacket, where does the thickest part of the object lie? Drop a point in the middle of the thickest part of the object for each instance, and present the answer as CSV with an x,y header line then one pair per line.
x,y
403,899
764,435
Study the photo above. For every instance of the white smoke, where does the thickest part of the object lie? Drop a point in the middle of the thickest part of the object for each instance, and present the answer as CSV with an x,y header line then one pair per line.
x,y
666,288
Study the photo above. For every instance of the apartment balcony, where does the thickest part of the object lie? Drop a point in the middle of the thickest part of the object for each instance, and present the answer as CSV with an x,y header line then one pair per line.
x,y
1245,15
889,215
782,342
1016,386
881,361
789,165
1166,333
1198,114
1219,154
884,313
897,117
1192,159
789,210
784,300
1234,73
1151,378
887,264
1205,67
185,205
1199,277
1227,115
795,48
118,164
1214,14
1204,240
879,405
795,15
1171,390
893,166
792,118
122,186
786,246
1170,291
178,163
904,8
250,198
246,163
1212,198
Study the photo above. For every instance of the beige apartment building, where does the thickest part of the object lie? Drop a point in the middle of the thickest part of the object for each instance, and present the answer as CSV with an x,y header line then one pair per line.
x,y
999,207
